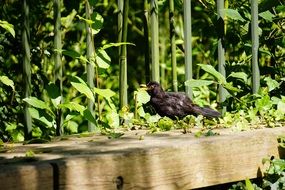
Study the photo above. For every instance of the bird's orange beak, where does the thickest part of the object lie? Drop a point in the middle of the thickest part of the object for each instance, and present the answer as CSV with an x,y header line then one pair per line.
x,y
143,87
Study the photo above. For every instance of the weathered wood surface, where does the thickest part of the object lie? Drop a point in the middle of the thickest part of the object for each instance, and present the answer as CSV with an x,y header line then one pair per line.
x,y
165,161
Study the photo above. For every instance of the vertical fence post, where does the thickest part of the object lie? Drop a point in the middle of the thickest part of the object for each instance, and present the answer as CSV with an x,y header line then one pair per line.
x,y
188,45
123,56
173,45
90,68
255,41
58,63
221,51
27,69
154,42
146,41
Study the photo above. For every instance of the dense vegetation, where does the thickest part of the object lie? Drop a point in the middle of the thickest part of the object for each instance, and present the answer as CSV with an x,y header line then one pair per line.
x,y
46,106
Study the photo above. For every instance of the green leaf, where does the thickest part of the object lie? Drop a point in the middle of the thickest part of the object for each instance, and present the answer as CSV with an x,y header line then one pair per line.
x,y
142,96
71,53
5,80
33,101
73,106
42,117
7,26
197,83
248,185
116,44
267,15
88,115
54,94
10,126
102,59
211,70
272,84
83,88
239,75
233,14
106,93
90,22
97,22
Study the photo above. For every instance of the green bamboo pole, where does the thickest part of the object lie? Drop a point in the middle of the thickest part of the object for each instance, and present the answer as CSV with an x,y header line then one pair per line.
x,y
188,45
123,58
120,22
221,52
90,67
26,69
58,63
154,42
255,41
173,46
146,42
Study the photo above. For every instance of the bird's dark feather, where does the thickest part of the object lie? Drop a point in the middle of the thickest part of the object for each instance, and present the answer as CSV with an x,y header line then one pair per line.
x,y
174,104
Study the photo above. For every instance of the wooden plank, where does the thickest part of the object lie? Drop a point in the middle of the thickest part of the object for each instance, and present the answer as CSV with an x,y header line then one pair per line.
x,y
168,162
33,176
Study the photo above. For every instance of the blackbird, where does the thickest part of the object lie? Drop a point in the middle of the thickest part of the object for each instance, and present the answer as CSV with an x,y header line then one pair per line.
x,y
174,104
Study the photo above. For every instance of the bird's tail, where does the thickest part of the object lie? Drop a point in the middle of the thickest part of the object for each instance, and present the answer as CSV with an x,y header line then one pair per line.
x,y
207,112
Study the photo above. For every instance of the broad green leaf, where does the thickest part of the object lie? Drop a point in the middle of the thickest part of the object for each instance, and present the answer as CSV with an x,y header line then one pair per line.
x,y
142,96
197,83
90,22
54,94
7,26
68,20
211,70
44,118
71,53
83,88
106,93
97,22
73,106
88,115
233,14
281,106
35,102
272,84
267,15
10,126
230,88
240,75
5,80
102,59
248,185
116,44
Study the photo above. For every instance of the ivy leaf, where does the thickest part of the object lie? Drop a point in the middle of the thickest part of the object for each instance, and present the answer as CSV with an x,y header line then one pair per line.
x,y
142,96
7,26
102,59
5,80
211,70
198,83
106,93
239,75
82,87
267,15
233,14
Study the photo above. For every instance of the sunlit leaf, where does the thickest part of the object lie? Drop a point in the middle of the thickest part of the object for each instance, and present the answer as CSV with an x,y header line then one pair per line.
x,y
44,118
272,84
102,59
106,93
248,185
35,102
116,44
233,14
211,70
267,15
142,96
83,88
239,75
197,83
73,106
5,80
7,26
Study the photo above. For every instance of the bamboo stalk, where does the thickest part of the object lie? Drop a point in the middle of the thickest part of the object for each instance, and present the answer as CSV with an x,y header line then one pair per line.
x,y
90,68
173,46
146,42
154,42
221,52
188,45
255,41
58,63
26,69
123,58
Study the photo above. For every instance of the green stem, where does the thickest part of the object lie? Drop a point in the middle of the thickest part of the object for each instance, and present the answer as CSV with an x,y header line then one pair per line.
x,y
173,46
154,42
